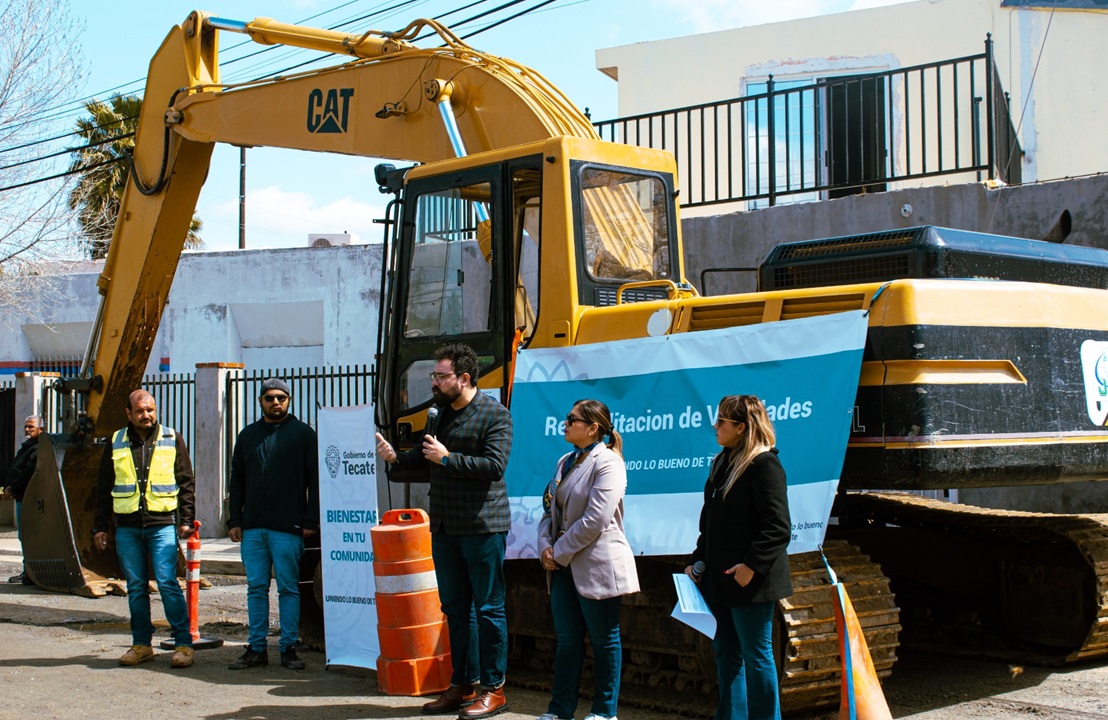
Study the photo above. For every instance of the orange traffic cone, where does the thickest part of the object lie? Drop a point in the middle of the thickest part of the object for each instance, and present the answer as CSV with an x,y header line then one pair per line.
x,y
192,595
862,698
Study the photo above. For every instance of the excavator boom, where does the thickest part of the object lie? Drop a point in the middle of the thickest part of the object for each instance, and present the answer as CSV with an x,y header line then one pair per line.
x,y
393,101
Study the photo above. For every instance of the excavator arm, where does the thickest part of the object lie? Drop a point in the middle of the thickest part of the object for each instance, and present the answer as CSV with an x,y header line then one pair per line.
x,y
393,100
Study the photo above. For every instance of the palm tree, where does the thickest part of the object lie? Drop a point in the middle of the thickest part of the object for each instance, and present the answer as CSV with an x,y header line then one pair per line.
x,y
102,165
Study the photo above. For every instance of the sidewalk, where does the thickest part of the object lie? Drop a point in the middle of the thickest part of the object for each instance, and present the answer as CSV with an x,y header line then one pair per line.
x,y
217,557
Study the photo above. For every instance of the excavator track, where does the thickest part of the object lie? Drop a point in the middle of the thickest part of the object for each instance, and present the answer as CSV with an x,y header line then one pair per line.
x,y
668,666
1018,586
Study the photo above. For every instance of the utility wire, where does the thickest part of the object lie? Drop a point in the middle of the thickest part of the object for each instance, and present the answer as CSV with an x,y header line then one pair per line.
x,y
462,23
75,171
67,109
466,21
69,151
67,135
62,110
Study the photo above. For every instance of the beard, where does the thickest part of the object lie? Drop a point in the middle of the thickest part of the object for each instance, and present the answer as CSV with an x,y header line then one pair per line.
x,y
276,412
444,397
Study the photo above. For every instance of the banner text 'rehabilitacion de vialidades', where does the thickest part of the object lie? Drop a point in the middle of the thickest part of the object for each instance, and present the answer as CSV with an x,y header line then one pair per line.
x,y
687,418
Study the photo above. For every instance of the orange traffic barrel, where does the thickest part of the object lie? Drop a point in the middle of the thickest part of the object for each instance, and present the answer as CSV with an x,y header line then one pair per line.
x,y
415,645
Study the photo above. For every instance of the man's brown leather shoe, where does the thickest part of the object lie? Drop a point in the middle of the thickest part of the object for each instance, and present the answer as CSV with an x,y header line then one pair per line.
x,y
455,698
491,702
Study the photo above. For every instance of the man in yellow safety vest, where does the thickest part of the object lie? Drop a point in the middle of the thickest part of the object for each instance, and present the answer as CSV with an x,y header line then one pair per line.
x,y
146,482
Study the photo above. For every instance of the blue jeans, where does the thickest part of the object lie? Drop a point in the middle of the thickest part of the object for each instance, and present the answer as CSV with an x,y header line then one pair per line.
x,y
156,547
573,615
470,574
261,550
745,663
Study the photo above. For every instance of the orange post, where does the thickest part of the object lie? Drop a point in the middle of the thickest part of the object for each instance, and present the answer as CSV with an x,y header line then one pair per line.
x,y
192,577
192,593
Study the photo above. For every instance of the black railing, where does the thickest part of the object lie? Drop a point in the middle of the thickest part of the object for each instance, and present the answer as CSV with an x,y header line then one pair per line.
x,y
312,388
174,396
837,136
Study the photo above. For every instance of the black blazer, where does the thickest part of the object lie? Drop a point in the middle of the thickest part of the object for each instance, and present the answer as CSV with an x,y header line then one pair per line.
x,y
751,526
468,495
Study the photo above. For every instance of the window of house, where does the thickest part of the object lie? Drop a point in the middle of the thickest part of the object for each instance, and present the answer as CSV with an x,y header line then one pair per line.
x,y
828,137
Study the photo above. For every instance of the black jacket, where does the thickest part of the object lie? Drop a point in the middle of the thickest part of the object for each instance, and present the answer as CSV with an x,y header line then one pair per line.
x,y
275,477
143,451
22,468
468,495
750,526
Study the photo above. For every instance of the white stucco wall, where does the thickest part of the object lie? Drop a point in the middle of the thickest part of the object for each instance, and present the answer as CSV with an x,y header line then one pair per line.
x,y
265,308
1062,109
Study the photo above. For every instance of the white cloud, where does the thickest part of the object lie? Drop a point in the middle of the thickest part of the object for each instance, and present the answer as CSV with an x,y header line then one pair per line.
x,y
277,218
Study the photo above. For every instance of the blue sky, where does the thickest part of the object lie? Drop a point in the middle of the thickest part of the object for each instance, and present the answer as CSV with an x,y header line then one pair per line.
x,y
289,193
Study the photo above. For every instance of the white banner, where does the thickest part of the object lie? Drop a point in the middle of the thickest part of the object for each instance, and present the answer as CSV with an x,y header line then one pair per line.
x,y
347,512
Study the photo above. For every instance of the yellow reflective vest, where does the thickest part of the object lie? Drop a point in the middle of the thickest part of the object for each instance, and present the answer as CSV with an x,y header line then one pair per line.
x,y
161,482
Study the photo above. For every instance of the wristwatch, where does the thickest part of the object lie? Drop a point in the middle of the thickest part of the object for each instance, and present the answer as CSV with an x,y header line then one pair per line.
x,y
442,461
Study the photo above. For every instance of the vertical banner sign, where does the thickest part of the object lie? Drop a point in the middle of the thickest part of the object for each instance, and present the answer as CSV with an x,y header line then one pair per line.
x,y
664,393
347,511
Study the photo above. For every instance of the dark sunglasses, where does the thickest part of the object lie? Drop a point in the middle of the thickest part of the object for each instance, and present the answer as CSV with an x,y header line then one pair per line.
x,y
275,398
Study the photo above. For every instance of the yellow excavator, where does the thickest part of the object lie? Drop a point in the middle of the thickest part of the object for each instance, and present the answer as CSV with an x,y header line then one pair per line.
x,y
521,229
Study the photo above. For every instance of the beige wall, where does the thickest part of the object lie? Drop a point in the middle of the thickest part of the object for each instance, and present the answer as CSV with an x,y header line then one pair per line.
x,y
1066,107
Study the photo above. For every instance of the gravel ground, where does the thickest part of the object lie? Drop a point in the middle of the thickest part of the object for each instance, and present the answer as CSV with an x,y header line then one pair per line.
x,y
58,659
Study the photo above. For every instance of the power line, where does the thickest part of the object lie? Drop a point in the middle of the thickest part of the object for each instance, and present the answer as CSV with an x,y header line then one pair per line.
x,y
67,108
67,135
392,8
69,151
75,171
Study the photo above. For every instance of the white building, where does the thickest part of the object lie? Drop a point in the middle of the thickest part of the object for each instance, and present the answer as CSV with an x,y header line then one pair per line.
x,y
1047,53
263,308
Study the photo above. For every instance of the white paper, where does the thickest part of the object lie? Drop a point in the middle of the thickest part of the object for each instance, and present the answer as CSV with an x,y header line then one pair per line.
x,y
691,608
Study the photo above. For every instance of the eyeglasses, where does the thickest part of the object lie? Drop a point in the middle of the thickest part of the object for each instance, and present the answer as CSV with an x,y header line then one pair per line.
x,y
439,377
275,398
723,420
570,419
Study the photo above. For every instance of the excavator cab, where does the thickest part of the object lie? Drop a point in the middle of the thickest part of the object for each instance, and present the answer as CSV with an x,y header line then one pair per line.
x,y
474,243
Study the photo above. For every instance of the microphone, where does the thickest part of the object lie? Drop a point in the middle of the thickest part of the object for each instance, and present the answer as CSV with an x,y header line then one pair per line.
x,y
432,420
698,569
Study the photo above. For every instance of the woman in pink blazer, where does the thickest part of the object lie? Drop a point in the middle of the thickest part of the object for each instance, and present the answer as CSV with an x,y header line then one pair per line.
x,y
590,565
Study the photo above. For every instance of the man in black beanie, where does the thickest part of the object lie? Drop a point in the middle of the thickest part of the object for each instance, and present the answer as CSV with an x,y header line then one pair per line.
x,y
274,505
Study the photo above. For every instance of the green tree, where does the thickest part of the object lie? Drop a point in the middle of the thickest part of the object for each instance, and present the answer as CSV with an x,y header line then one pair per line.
x,y
108,132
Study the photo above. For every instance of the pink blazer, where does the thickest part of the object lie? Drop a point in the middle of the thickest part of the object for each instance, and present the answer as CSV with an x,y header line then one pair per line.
x,y
587,532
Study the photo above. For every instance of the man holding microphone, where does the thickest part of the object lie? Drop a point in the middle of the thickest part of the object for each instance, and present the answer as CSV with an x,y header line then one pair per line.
x,y
464,457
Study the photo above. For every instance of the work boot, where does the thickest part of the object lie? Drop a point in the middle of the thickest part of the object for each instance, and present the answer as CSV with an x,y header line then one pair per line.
x,y
290,660
21,579
454,699
182,656
250,658
491,702
137,655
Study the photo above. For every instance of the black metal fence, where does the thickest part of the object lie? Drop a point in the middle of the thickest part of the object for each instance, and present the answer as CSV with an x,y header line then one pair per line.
x,y
312,388
175,396
838,135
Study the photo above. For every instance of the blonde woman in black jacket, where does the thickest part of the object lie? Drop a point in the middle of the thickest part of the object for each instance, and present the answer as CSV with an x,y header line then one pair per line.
x,y
744,536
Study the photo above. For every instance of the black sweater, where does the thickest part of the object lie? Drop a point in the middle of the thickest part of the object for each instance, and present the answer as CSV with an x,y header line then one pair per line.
x,y
750,526
23,468
275,477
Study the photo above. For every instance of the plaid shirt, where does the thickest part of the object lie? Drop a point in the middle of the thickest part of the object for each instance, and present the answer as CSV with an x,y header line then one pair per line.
x,y
468,495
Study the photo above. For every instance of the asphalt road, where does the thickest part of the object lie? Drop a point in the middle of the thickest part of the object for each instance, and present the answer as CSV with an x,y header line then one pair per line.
x,y
58,659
